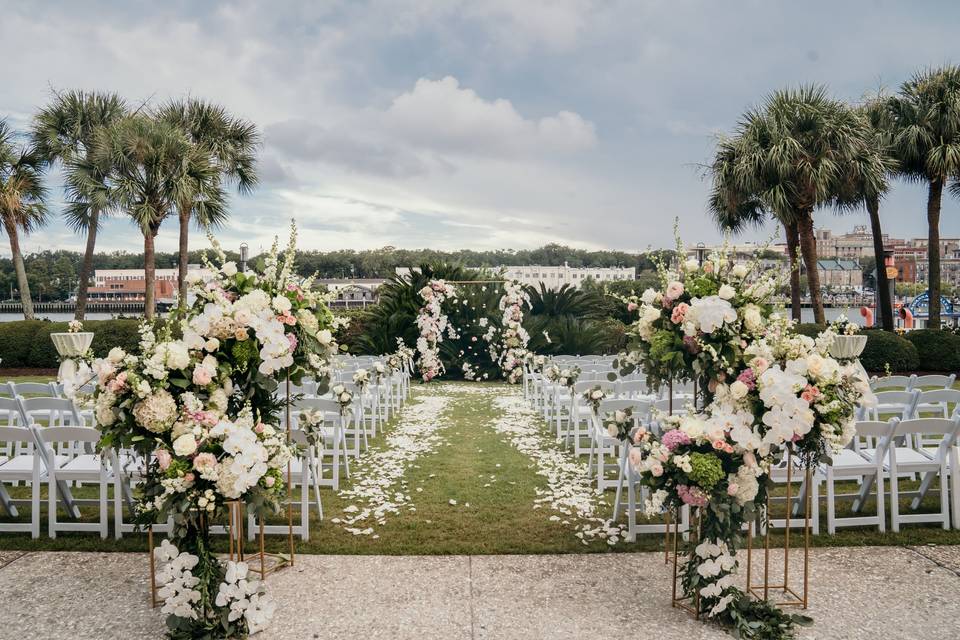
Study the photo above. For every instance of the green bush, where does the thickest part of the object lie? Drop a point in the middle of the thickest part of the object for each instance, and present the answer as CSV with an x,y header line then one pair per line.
x,y
886,348
16,340
27,343
938,350
811,329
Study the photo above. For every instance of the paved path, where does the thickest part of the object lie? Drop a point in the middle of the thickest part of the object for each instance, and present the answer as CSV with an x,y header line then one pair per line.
x,y
870,593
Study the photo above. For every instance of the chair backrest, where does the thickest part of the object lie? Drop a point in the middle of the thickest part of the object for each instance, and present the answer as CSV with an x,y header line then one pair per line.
x,y
905,401
316,404
11,407
920,427
54,411
42,389
628,388
882,430
679,405
892,382
934,380
933,396
583,385
6,389
16,441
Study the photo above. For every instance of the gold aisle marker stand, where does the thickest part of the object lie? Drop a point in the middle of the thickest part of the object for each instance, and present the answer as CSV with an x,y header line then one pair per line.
x,y
270,562
790,597
690,604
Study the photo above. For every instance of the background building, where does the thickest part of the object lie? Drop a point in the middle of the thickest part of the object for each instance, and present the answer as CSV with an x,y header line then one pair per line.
x,y
556,277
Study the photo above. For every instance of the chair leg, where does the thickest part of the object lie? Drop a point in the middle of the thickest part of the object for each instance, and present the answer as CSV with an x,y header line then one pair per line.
x,y
894,502
944,496
831,504
51,505
104,512
881,504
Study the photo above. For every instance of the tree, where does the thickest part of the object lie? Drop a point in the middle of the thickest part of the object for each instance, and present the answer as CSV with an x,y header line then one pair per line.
x,y
788,159
22,202
231,144
152,166
63,131
925,117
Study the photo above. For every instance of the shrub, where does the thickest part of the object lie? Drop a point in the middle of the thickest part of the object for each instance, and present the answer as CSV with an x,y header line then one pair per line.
x,y
938,350
886,348
27,343
810,329
16,339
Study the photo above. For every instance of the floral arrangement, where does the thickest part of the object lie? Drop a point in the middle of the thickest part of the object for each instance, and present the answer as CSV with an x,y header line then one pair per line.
x,y
697,325
74,326
361,378
380,373
536,362
594,397
343,397
432,323
620,424
513,337
842,326
565,377
201,412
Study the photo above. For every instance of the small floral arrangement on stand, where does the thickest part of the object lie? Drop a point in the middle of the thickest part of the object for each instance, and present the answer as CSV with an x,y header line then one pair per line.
x,y
361,378
594,397
344,398
565,376
621,425
200,412
74,326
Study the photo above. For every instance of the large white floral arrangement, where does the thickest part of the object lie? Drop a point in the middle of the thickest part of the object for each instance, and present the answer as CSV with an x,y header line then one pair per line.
x,y
697,325
432,324
200,411
513,337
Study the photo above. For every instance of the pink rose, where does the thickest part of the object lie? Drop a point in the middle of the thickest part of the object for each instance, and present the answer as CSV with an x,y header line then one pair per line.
x,y
636,456
656,469
708,267
679,313
204,462
674,290
292,339
163,458
202,376
632,306
269,481
638,435
259,427
732,489
189,477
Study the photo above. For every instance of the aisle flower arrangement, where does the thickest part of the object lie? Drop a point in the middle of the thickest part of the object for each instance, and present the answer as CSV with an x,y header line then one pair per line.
x,y
513,337
201,412
432,323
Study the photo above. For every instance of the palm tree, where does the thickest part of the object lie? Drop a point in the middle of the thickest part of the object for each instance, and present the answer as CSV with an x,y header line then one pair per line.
x,y
926,143
231,143
788,160
63,131
864,186
22,202
152,166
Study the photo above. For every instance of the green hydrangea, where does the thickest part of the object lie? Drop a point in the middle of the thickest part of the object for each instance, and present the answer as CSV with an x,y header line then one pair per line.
x,y
706,470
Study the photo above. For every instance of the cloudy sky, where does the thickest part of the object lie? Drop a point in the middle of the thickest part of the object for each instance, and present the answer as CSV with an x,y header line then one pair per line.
x,y
474,123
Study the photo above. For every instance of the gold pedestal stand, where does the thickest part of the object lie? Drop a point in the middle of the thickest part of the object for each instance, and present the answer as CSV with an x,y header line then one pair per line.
x,y
781,587
691,603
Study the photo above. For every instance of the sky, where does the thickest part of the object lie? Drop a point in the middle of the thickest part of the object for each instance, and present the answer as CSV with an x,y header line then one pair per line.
x,y
476,124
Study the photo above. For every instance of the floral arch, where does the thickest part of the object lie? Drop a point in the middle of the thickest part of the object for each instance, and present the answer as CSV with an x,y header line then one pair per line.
x,y
484,346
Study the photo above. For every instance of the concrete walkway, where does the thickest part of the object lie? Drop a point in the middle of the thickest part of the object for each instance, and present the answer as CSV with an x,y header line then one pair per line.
x,y
870,593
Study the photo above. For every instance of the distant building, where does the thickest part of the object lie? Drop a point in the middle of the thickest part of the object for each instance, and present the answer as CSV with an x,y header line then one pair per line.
x,y
129,285
353,292
556,277
840,274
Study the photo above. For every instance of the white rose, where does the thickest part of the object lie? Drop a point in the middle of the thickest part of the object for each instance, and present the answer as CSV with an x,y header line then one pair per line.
x,y
116,355
178,357
726,292
281,304
752,319
649,296
739,271
212,344
691,265
815,365
597,395
612,430
738,389
345,397
338,389
324,337
229,269
185,445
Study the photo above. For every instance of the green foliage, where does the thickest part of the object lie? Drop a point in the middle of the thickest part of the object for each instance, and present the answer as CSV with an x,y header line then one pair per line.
x,y
937,350
885,348
810,329
16,339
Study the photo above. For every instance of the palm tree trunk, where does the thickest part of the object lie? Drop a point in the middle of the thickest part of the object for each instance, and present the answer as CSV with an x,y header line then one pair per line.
x,y
933,253
184,262
87,266
884,302
793,242
20,269
808,248
149,273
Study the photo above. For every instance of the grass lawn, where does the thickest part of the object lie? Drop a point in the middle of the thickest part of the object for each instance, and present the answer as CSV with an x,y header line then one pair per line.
x,y
500,517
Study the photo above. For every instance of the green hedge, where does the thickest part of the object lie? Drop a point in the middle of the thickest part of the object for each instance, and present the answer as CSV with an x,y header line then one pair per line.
x,y
27,343
885,348
938,350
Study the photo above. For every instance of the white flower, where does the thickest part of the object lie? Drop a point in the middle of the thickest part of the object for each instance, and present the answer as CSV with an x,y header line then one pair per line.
x,y
752,318
738,389
185,445
649,296
324,337
116,355
281,304
739,271
691,265
726,292
710,313
229,269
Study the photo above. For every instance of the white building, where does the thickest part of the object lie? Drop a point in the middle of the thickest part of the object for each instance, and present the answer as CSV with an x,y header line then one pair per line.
x,y
556,277
103,277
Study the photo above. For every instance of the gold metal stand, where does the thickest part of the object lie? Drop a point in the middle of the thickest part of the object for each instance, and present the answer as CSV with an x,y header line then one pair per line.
x,y
691,603
789,596
261,562
153,569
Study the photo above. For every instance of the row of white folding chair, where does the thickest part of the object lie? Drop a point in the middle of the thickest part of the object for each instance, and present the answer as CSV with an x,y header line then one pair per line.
x,y
911,382
892,460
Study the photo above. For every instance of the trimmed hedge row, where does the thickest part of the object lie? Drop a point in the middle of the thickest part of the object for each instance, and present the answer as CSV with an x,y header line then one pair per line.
x,y
27,343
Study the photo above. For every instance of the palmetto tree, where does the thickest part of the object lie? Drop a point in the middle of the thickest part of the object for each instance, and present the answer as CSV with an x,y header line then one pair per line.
x,y
22,202
231,144
64,131
152,167
788,159
925,117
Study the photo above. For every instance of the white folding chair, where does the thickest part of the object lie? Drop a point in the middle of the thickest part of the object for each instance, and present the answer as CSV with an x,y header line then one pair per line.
x,y
937,401
39,389
332,436
26,467
896,404
129,470
934,381
931,463
304,473
864,465
581,413
895,383
88,466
